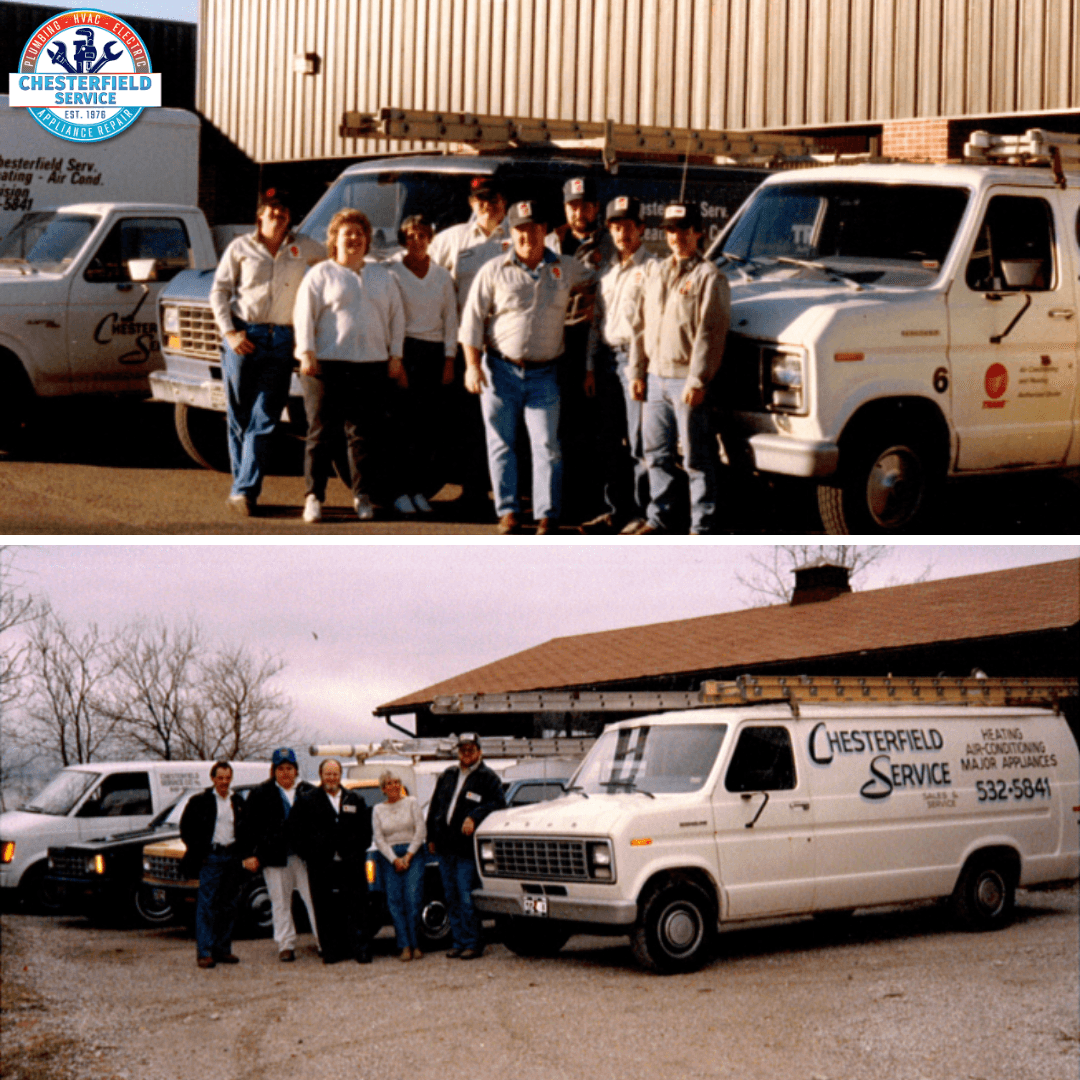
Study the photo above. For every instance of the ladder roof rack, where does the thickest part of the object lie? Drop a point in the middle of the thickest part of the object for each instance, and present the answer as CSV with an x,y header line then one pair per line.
x,y
776,689
446,748
1060,151
504,132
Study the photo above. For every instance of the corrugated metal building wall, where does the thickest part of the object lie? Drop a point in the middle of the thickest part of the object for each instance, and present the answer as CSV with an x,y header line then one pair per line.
x,y
685,63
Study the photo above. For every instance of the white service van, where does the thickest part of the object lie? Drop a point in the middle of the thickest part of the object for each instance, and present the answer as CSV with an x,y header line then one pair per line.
x,y
680,822
83,802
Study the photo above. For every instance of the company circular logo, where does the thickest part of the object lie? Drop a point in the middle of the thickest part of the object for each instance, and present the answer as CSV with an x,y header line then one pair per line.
x,y
997,380
85,76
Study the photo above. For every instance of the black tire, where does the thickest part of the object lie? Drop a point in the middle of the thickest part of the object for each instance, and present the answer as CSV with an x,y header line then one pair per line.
x,y
18,404
886,484
434,930
202,434
985,894
148,911
255,916
532,937
37,895
676,929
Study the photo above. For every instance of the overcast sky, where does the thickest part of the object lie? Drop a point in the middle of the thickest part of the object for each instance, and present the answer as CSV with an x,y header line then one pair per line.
x,y
359,625
182,10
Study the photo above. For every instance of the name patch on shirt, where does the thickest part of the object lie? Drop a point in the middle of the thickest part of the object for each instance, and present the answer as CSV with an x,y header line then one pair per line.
x,y
348,809
472,796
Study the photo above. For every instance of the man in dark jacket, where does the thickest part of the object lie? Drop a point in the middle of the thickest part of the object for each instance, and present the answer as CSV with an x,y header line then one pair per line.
x,y
464,795
331,829
209,826
267,844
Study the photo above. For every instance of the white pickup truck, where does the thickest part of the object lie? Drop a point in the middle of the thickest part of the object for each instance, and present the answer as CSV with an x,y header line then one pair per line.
x,y
894,324
79,286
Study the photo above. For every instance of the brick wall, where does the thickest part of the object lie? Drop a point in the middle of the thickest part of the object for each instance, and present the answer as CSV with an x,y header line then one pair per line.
x,y
918,140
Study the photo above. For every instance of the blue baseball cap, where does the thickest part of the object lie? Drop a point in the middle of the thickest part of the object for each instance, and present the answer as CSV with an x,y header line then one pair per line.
x,y
283,756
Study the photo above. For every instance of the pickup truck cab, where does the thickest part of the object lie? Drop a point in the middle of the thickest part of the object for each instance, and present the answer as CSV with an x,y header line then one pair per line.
x,y
893,325
680,823
78,299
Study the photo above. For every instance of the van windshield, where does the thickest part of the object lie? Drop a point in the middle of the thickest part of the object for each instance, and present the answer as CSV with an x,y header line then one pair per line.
x,y
60,794
47,240
873,233
650,758
387,199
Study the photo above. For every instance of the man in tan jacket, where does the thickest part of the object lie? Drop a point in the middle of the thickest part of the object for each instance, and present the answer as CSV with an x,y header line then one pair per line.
x,y
680,326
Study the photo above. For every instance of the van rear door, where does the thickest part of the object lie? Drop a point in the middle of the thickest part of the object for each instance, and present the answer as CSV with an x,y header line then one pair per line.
x,y
764,826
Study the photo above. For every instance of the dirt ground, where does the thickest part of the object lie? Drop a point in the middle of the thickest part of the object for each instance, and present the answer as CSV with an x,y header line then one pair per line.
x,y
898,994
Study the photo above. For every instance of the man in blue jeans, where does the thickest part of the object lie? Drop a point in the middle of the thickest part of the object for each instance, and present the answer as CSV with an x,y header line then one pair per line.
x,y
464,795
680,327
252,299
512,335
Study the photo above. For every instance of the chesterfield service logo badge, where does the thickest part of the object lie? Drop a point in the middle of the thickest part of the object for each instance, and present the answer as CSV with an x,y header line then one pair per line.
x,y
85,76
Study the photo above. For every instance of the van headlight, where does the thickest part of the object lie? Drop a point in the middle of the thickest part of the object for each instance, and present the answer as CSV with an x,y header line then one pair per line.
x,y
784,389
170,320
600,863
486,850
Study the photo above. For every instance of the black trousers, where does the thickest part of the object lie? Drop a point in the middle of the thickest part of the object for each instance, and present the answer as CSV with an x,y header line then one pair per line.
x,y
339,893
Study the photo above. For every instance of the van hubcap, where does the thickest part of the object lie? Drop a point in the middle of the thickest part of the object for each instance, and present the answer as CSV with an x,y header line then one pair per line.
x,y
894,488
990,893
681,929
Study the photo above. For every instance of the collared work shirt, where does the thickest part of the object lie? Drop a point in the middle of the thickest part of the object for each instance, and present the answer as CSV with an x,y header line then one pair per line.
x,y
518,312
258,287
225,822
617,298
681,321
463,249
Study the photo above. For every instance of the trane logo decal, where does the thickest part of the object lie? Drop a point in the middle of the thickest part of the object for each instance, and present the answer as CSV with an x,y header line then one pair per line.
x,y
885,775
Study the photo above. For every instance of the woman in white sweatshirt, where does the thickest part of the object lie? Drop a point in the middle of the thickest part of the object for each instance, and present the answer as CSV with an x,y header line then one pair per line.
x,y
400,833
350,328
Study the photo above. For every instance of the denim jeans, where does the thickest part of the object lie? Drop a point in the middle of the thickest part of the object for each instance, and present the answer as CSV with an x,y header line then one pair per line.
x,y
404,894
459,878
256,389
531,393
669,424
215,906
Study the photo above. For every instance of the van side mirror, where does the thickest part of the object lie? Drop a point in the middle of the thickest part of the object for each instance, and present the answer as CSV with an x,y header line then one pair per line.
x,y
142,269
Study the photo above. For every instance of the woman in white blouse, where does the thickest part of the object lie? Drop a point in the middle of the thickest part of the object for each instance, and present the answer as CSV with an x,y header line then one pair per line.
x,y
400,834
431,326
350,328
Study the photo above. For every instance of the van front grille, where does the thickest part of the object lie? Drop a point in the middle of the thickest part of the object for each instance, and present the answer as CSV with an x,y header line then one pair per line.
x,y
540,859
69,865
199,333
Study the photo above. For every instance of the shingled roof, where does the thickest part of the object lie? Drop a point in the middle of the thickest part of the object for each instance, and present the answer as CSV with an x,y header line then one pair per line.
x,y
1026,600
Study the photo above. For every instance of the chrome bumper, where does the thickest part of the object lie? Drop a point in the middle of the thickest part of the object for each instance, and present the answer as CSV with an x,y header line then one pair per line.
x,y
791,457
565,908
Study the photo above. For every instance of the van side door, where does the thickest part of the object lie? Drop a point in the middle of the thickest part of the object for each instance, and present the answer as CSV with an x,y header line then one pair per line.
x,y
764,826
1013,334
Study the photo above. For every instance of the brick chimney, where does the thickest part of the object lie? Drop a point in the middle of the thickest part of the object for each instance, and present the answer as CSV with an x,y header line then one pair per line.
x,y
819,580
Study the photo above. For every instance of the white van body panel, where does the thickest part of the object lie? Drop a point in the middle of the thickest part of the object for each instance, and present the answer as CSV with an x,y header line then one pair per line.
x,y
34,833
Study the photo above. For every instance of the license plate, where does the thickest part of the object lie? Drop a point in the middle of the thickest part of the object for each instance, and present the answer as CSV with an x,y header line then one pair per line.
x,y
534,905
216,391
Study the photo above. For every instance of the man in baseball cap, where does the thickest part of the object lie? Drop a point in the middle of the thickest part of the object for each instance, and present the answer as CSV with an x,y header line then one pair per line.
x,y
620,453
680,326
464,795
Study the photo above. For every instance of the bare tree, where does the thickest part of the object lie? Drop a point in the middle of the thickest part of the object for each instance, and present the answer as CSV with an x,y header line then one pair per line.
x,y
16,609
772,579
245,715
67,671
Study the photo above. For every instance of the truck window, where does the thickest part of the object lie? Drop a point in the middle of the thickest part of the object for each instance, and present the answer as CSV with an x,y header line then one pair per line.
x,y
893,233
163,239
541,791
762,761
47,240
1014,248
661,757
120,795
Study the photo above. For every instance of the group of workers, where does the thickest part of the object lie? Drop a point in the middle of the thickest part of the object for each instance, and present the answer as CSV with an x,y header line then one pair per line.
x,y
549,323
314,840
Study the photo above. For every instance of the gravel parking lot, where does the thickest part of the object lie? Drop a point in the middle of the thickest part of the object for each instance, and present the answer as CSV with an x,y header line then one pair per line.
x,y
898,994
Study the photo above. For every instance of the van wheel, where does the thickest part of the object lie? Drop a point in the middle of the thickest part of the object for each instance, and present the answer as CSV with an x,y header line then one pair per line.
x,y
256,912
38,895
985,895
203,435
676,930
885,486
532,937
434,930
151,912
17,404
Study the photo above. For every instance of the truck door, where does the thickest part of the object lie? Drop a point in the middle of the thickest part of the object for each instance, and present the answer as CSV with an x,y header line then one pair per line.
x,y
764,827
1013,336
112,319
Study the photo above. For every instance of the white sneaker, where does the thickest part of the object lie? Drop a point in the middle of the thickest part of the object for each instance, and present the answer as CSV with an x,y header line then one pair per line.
x,y
364,510
421,504
312,510
404,505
